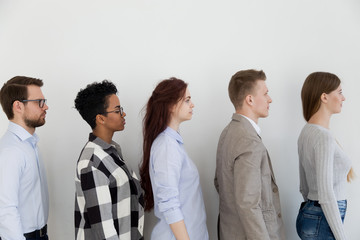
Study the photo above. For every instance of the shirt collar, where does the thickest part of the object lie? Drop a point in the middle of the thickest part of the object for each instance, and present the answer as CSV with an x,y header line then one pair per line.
x,y
100,142
112,147
21,133
172,133
256,127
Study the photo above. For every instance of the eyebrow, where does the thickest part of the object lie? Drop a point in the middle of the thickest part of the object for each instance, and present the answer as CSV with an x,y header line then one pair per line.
x,y
188,97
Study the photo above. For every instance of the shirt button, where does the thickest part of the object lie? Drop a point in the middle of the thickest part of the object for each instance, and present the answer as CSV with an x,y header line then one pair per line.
x,y
275,190
279,215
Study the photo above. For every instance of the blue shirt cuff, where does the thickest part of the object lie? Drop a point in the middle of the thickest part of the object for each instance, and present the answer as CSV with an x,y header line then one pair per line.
x,y
173,216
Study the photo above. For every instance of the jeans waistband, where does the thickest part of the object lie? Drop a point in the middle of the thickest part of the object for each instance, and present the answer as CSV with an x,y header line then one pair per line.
x,y
317,204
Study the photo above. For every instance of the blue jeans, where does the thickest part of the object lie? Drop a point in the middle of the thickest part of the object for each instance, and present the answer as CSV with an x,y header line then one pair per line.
x,y
311,223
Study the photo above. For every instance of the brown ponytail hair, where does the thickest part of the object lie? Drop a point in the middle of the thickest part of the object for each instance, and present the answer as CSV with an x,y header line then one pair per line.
x,y
165,95
316,84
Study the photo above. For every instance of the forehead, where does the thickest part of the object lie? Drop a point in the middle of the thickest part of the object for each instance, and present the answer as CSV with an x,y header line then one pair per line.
x,y
260,86
113,101
338,89
187,93
34,92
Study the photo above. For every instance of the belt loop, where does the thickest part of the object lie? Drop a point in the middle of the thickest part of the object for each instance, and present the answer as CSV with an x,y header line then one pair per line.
x,y
43,231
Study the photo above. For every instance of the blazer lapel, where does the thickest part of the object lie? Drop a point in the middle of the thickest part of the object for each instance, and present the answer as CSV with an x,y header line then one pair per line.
x,y
251,130
272,172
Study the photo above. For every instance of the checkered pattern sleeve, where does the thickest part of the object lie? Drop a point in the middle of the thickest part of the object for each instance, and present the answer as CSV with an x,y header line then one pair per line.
x,y
102,208
94,185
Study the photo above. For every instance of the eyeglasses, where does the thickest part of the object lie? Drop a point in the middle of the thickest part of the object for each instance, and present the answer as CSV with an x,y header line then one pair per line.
x,y
120,110
41,101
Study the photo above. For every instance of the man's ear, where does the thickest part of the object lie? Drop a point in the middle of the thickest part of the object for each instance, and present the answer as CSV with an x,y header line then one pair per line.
x,y
17,106
249,100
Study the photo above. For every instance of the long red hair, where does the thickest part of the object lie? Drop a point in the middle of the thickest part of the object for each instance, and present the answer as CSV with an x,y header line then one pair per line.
x,y
165,95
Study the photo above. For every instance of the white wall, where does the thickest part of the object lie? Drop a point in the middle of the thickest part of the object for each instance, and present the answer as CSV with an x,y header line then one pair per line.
x,y
136,43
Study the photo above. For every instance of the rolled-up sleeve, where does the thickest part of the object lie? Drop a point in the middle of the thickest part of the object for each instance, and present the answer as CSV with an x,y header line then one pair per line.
x,y
166,163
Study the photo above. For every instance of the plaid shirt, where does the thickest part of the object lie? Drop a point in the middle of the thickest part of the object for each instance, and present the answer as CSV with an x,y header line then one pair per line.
x,y
109,199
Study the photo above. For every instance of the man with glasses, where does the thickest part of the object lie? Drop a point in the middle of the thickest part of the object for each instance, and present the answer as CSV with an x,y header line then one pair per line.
x,y
24,201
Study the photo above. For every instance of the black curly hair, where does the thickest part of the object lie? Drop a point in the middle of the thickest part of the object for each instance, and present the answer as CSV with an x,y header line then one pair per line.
x,y
93,100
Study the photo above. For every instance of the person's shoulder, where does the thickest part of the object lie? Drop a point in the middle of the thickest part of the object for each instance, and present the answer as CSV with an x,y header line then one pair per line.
x,y
241,129
11,142
9,138
86,155
164,139
316,130
314,134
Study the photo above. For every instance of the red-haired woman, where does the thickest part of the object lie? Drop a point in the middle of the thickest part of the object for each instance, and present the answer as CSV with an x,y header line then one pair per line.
x,y
168,176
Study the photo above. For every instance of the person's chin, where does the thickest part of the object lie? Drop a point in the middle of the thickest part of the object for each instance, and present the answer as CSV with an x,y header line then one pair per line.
x,y
265,115
41,123
121,128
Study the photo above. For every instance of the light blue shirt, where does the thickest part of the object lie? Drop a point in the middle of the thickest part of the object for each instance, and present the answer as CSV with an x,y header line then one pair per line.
x,y
176,187
24,201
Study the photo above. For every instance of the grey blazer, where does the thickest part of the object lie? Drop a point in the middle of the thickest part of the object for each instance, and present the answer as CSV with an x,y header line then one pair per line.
x,y
249,197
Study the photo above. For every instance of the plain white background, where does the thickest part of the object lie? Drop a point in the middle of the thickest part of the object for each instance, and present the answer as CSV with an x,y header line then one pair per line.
x,y
137,43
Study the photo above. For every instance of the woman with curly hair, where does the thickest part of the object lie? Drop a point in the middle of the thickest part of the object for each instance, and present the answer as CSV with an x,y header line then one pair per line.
x,y
109,199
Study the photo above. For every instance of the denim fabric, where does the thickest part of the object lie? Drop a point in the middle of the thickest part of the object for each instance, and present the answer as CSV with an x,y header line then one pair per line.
x,y
311,223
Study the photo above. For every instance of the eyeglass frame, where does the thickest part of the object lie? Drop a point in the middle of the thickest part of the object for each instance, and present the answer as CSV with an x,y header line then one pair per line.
x,y
42,102
120,110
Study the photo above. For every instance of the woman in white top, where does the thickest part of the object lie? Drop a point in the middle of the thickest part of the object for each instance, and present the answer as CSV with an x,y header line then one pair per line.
x,y
324,167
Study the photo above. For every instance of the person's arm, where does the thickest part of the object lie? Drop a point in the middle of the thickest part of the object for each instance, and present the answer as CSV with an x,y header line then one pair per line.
x,y
11,166
95,186
167,163
247,188
179,230
324,160
304,189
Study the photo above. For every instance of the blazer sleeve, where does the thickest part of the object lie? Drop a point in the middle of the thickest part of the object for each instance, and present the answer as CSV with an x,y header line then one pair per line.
x,y
247,189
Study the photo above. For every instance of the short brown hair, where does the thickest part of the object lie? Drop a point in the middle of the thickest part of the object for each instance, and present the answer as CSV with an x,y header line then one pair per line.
x,y
16,90
243,83
316,84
